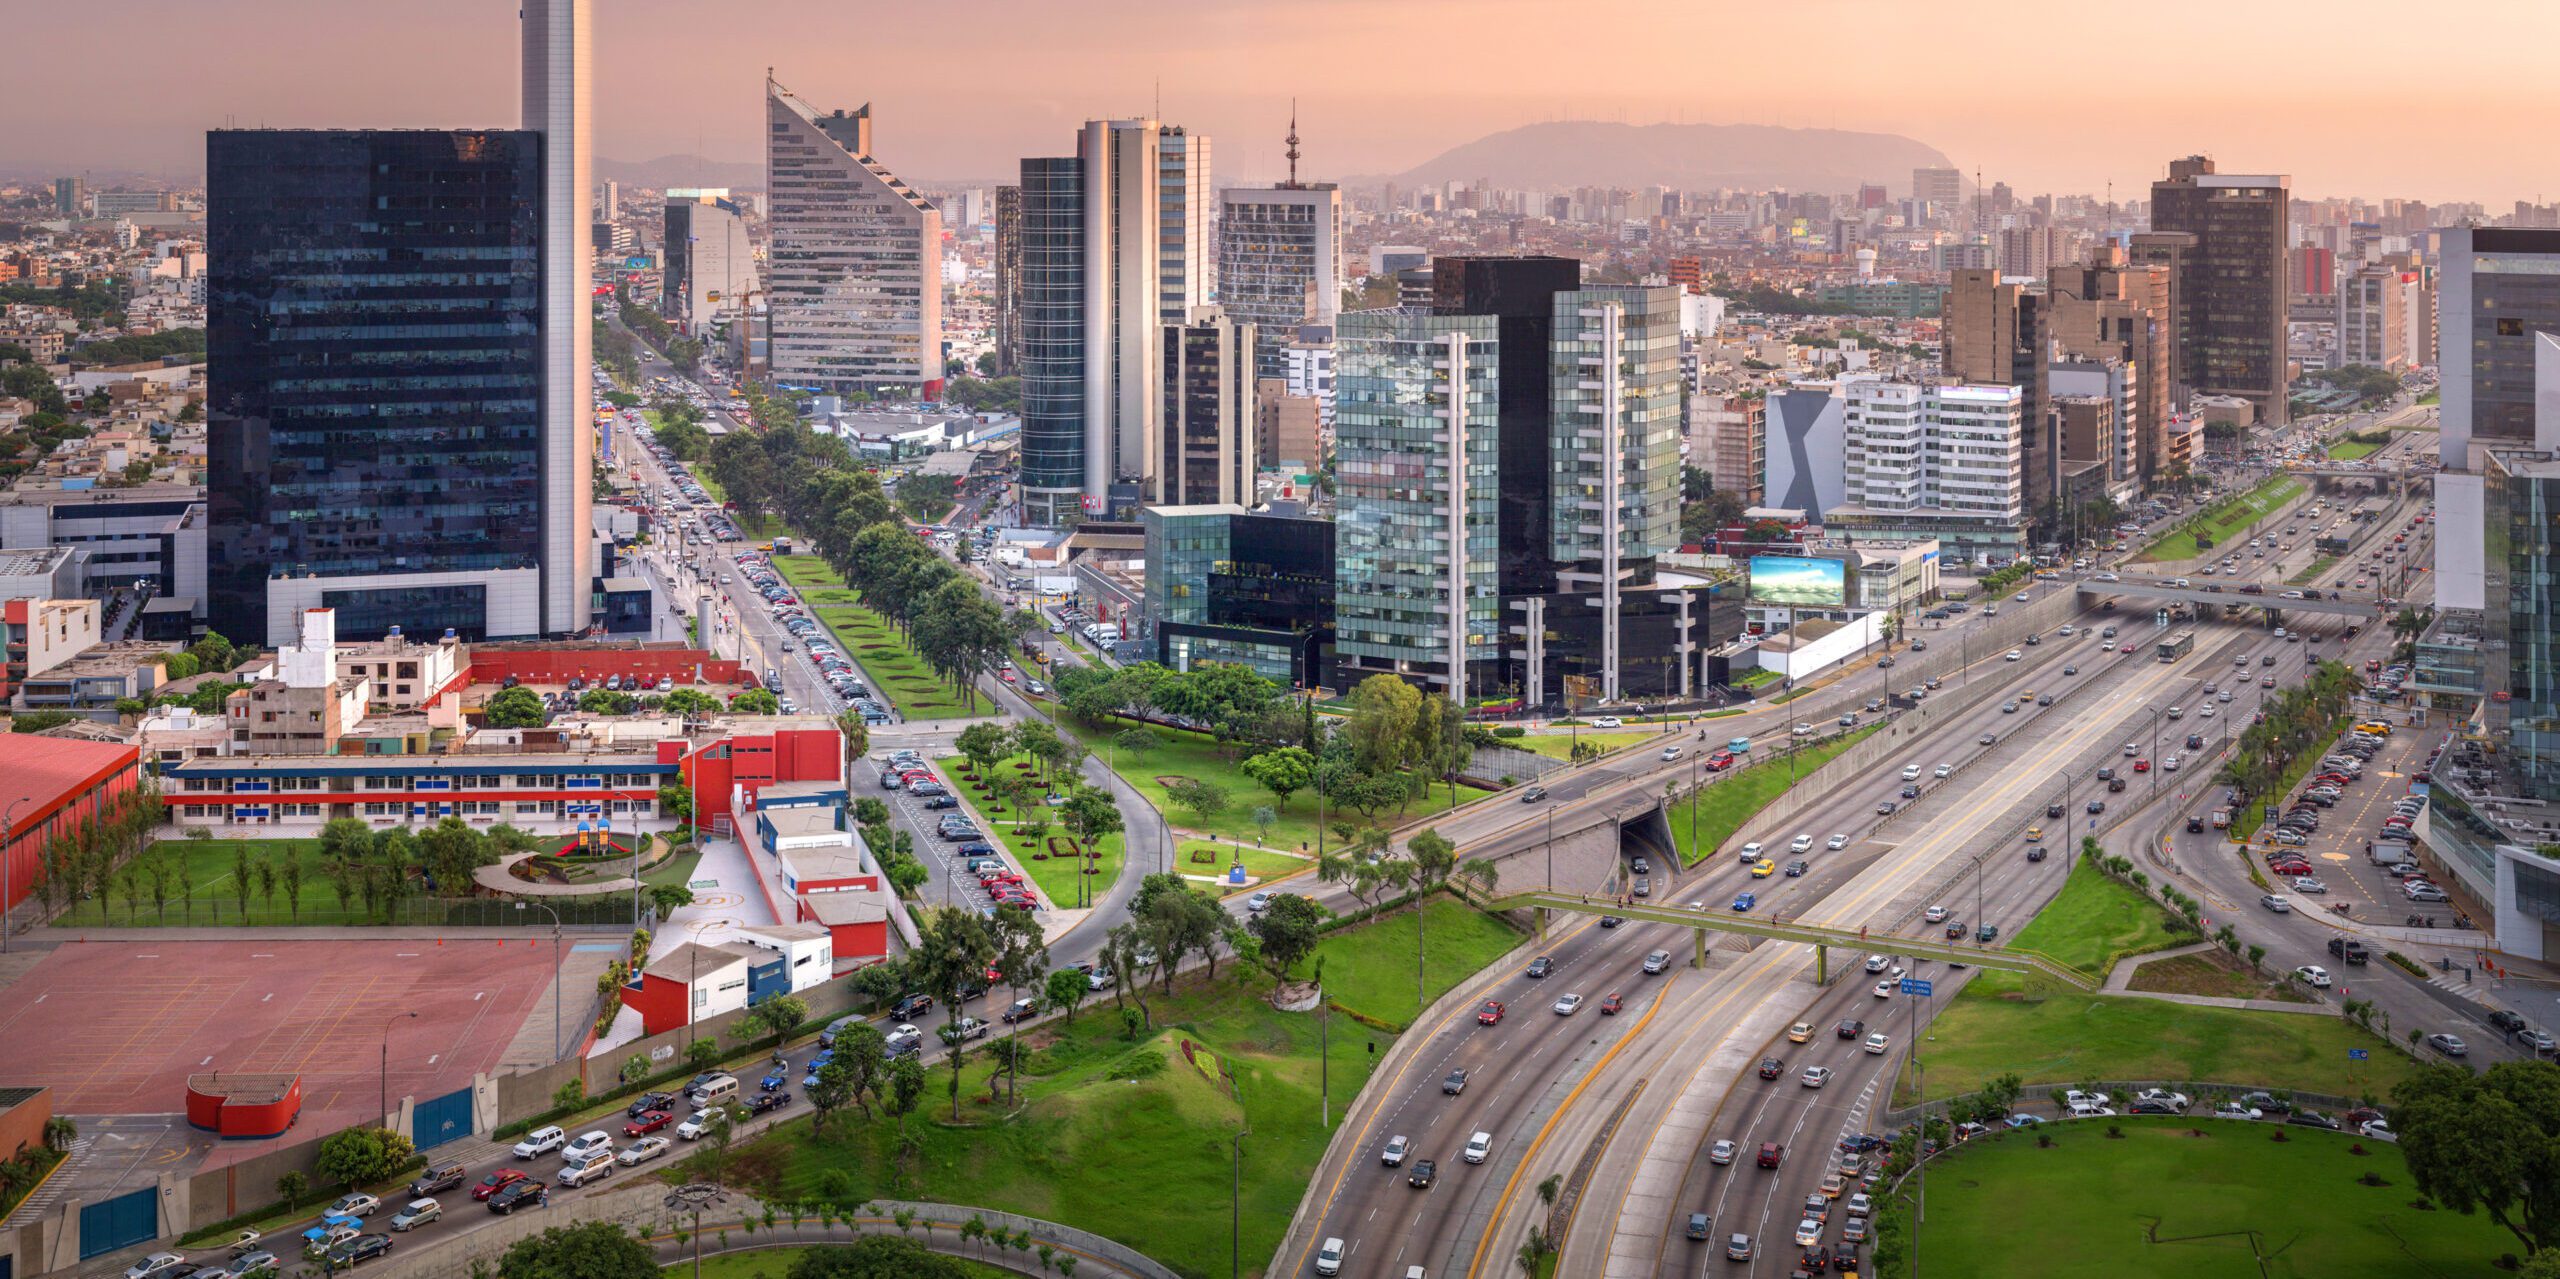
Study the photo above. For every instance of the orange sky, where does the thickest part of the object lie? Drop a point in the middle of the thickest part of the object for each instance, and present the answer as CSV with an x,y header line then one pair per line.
x,y
2348,96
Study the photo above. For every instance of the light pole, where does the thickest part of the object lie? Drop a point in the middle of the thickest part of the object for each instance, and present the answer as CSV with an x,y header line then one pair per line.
x,y
556,1027
1551,867
693,1197
8,831
387,1024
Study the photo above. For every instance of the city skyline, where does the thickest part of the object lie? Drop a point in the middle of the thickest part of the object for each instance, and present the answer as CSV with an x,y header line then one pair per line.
x,y
1223,69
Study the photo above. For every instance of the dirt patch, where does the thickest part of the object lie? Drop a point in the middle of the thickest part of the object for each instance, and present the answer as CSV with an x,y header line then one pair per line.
x,y
2211,973
1170,780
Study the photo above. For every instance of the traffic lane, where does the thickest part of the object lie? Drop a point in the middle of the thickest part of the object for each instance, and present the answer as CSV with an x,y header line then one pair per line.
x,y
1411,1103
1427,1228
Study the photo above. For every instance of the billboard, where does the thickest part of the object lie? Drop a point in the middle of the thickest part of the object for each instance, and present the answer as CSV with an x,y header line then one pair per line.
x,y
1799,581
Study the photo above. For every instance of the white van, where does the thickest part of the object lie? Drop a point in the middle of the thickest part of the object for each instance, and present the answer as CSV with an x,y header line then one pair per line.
x,y
1329,1257
541,1141
716,1090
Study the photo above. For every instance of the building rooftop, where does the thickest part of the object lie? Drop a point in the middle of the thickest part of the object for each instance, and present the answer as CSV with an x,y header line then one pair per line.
x,y
835,909
803,931
694,961
54,493
32,561
107,659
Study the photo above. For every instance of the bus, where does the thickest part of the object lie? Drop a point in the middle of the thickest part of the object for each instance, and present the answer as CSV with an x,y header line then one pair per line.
x,y
2177,646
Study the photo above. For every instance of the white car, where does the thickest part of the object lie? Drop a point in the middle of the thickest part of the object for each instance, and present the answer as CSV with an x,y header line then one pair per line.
x,y
2175,1100
1816,1076
1860,1205
695,1125
2306,884
1804,730
1808,1232
1878,1043
1478,1147
2014,655
1568,1006
1911,772
1397,1147
1876,963
158,1263
1670,753
2234,1110
1943,770
2276,904
2378,1129
1836,843
2075,1097
587,1144
1722,1152
1884,990
1801,844
354,1205
1935,914
2085,1110
541,1141
2314,976
1608,721
643,1150
1329,1257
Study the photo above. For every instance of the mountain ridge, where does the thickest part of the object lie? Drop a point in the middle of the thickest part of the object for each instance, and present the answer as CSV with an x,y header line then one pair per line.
x,y
1570,153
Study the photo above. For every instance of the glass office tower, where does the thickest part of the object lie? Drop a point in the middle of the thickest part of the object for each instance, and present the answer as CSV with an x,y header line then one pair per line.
x,y
375,372
1053,340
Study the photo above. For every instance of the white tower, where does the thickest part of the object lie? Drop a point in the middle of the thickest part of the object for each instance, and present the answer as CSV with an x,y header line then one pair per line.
x,y
557,34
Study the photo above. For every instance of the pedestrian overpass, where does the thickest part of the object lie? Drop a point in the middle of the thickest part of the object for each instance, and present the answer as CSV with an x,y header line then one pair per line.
x,y
2360,607
1820,937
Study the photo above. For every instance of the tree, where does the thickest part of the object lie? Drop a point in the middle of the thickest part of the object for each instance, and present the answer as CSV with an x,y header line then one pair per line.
x,y
782,1017
864,1053
675,801
1288,931
517,707
756,701
291,1187
983,744
871,1257
1264,818
833,1091
1205,799
359,1156
2487,1143
692,703
593,1250
1066,988
953,951
1380,731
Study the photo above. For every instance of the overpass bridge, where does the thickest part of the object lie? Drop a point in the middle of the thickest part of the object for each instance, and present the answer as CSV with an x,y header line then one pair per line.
x,y
2359,607
1822,939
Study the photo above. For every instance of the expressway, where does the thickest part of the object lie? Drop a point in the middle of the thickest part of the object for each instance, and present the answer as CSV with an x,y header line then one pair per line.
x,y
1653,1081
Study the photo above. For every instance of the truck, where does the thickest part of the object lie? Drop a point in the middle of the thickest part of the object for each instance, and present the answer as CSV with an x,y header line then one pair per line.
x,y
2391,852
2222,819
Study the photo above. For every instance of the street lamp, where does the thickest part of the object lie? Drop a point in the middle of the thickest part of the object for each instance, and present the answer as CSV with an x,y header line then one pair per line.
x,y
693,1197
556,1027
387,1024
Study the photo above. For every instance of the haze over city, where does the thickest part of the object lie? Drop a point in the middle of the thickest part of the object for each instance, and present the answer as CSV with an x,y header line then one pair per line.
x,y
2350,97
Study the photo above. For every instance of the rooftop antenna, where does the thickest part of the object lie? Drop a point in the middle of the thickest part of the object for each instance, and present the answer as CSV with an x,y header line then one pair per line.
x,y
1159,106
1293,144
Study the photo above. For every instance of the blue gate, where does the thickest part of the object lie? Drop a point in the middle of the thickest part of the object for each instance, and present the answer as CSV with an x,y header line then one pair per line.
x,y
442,1119
121,1222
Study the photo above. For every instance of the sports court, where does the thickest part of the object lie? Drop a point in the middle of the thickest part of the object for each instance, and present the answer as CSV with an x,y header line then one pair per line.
x,y
116,1027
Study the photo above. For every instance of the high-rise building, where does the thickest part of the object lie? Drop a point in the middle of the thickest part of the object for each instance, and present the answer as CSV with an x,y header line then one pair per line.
x,y
1993,329
1941,187
558,103
1189,260
1728,433
1929,459
1008,283
2031,251
709,264
2115,308
2376,305
854,275
1280,262
1053,342
379,365
608,200
70,197
2234,286
1204,452
2499,292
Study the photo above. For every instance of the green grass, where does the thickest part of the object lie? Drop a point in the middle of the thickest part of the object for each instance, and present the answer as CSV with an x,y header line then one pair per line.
x,y
1370,969
216,898
1176,753
1560,745
1261,864
2227,518
2431,397
895,670
677,869
2248,817
2318,568
1756,677
774,1263
1117,1137
1999,1025
2351,449
2232,1203
1055,875
2096,921
1724,805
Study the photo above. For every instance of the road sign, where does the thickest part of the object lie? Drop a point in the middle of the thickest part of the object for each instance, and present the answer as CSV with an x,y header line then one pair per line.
x,y
1916,986
2357,1054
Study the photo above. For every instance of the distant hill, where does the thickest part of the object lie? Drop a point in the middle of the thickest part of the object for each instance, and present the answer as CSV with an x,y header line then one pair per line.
x,y
1682,156
681,171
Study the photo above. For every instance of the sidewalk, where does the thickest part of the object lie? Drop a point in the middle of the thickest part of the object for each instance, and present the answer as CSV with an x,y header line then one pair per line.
x,y
2119,982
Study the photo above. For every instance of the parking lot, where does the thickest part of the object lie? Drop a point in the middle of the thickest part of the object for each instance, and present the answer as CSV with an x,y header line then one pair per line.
x,y
976,871
808,635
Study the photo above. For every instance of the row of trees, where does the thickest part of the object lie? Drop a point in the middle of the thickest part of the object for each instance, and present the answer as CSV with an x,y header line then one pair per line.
x,y
2296,720
683,352
679,430
95,855
522,707
605,1250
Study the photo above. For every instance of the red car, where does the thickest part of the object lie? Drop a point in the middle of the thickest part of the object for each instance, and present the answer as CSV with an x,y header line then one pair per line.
x,y
647,1123
1008,676
1719,761
999,877
495,1182
1490,1014
1609,1007
2142,765
2126,649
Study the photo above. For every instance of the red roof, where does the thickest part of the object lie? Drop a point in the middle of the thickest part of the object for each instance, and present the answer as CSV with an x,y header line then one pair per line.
x,y
46,770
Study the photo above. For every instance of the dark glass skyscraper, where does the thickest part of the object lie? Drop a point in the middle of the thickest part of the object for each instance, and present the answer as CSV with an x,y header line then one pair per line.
x,y
1053,340
375,351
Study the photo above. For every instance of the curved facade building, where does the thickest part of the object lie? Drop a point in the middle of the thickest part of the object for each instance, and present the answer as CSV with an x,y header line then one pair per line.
x,y
855,271
1053,340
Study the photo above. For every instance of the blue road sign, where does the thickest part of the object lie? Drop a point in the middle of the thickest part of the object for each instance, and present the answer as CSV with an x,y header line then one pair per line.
x,y
2357,1054
1916,986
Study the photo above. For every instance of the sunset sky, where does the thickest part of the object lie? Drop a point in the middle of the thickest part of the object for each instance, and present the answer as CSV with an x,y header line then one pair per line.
x,y
2348,96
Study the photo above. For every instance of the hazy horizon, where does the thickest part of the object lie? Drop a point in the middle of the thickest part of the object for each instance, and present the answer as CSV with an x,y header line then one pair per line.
x,y
1381,85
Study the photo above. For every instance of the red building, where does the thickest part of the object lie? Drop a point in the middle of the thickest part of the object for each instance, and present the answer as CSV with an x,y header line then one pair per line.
x,y
244,1107
743,764
48,787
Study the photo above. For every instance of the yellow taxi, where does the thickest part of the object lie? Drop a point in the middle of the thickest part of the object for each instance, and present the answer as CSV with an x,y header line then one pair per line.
x,y
1800,1032
2035,834
1763,868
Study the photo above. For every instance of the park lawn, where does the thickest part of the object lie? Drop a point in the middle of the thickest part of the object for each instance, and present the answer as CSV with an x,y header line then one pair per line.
x,y
896,671
676,869
2351,449
1116,1137
1720,808
1262,865
2231,1203
1560,745
2318,568
2096,921
216,897
775,1263
1369,970
2049,1035
1055,875
2226,518
1177,753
